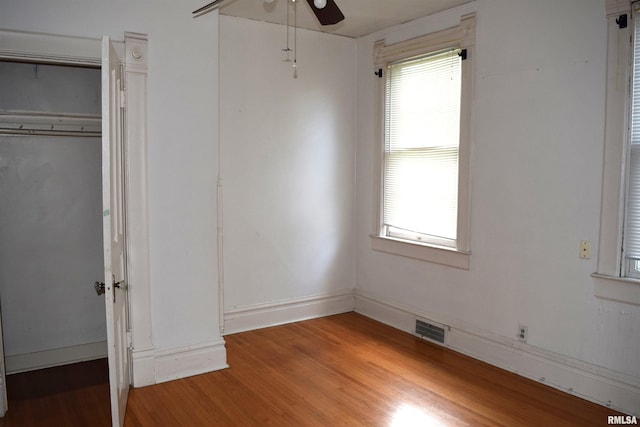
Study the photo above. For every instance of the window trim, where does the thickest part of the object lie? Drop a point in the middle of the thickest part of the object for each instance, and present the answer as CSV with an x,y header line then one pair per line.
x,y
461,36
611,281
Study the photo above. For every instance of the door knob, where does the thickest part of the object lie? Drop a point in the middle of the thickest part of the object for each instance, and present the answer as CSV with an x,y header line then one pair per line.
x,y
99,287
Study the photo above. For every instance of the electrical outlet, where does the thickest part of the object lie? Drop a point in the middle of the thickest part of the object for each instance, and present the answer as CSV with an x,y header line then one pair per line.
x,y
585,249
523,332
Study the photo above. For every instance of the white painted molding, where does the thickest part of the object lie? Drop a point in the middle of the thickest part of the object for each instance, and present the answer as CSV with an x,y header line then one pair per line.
x,y
182,362
137,206
143,372
51,48
55,357
591,382
618,7
424,252
610,271
259,316
621,289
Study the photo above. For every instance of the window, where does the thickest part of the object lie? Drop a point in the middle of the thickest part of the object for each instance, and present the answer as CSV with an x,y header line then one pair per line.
x,y
422,135
631,239
424,113
619,248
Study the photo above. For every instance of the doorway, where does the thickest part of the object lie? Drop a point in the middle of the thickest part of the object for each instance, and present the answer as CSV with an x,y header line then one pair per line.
x,y
51,249
131,357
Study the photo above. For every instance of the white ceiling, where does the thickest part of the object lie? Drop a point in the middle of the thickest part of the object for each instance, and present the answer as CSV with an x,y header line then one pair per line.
x,y
362,17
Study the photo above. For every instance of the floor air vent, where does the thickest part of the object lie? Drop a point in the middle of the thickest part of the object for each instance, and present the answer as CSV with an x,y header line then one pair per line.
x,y
429,331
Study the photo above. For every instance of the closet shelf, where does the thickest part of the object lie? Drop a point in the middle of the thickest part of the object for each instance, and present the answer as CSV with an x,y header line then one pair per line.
x,y
42,123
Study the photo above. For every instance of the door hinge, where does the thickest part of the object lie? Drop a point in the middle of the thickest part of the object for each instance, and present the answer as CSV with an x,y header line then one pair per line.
x,y
129,341
123,99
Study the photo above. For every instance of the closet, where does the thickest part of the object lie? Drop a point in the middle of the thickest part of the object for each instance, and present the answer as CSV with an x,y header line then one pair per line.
x,y
51,249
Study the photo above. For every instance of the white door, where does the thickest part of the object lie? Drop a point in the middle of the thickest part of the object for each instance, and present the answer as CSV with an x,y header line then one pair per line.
x,y
114,233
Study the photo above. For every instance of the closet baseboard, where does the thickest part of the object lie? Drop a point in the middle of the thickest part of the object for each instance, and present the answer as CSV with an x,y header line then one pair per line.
x,y
55,357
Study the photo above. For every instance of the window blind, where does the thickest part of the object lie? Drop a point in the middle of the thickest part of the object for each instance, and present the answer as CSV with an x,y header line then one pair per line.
x,y
632,212
422,134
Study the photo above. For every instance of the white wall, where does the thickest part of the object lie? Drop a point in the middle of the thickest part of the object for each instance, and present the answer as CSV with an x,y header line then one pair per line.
x,y
50,243
50,220
182,153
536,182
287,151
50,88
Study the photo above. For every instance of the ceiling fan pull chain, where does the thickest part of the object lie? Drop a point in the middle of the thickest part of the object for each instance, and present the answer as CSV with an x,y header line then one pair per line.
x,y
295,40
286,49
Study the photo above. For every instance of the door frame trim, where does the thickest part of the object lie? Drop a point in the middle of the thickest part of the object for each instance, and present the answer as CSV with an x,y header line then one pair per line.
x,y
24,46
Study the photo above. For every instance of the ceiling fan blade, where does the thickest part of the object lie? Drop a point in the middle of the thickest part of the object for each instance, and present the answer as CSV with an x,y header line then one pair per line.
x,y
328,15
207,7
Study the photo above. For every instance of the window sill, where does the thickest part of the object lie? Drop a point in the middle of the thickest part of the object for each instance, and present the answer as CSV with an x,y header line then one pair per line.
x,y
622,289
421,251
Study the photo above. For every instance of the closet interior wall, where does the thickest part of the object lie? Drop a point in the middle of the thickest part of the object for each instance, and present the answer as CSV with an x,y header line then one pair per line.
x,y
50,215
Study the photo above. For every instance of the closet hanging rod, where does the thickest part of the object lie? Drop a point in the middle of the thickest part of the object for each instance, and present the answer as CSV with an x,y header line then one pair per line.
x,y
36,132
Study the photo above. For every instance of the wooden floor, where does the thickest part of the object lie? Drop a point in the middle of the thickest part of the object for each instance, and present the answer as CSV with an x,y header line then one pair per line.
x,y
71,395
343,370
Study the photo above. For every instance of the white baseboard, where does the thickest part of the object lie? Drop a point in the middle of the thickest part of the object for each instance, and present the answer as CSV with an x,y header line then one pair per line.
x,y
191,360
143,367
591,382
148,366
259,316
55,357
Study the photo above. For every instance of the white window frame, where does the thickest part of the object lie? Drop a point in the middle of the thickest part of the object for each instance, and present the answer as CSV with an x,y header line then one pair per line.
x,y
611,268
462,37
